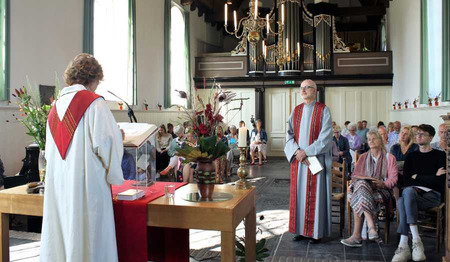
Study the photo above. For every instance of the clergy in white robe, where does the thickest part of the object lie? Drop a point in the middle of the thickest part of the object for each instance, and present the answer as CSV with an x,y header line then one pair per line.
x,y
309,134
78,223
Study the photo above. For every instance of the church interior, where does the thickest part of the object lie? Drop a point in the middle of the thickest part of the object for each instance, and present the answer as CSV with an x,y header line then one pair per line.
x,y
371,63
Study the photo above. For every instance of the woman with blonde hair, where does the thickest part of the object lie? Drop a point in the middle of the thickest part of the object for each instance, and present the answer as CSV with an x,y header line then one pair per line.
x,y
374,177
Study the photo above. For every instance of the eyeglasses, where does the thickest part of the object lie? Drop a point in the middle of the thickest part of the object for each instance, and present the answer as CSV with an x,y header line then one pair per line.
x,y
422,134
305,87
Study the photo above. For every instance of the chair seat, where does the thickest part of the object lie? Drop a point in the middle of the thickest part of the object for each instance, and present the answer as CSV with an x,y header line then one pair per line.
x,y
337,196
436,209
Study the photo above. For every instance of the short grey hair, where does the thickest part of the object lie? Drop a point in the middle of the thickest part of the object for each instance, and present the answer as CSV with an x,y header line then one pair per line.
x,y
351,126
178,129
313,84
233,127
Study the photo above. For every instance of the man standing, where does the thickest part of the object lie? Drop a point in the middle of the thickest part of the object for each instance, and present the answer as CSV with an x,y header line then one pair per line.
x,y
424,173
442,143
309,134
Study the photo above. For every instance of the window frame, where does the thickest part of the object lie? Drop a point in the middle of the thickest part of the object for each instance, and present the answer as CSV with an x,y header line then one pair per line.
x,y
6,85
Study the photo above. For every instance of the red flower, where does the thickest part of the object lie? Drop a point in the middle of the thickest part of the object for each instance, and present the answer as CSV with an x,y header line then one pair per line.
x,y
203,129
218,118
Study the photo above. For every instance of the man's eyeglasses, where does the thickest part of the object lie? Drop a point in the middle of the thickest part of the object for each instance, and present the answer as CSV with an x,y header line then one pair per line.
x,y
422,134
305,87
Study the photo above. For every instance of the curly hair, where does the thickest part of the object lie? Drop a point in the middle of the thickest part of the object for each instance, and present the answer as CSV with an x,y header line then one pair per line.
x,y
83,70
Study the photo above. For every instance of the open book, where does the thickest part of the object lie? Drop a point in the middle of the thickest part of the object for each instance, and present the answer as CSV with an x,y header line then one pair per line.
x,y
137,133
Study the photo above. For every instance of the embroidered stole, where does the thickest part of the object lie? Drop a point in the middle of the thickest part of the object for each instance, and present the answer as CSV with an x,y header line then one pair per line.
x,y
63,130
311,187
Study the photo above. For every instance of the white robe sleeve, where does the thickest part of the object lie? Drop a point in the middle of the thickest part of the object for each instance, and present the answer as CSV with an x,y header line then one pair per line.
x,y
106,140
323,143
291,146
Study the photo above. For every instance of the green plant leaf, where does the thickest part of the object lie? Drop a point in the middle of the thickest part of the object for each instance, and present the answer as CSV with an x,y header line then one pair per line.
x,y
260,244
240,253
240,246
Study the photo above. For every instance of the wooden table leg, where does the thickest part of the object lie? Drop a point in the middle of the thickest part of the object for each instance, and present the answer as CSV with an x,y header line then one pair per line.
x,y
228,248
4,237
250,236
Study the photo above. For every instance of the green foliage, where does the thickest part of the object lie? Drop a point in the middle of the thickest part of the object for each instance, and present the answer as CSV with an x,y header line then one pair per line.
x,y
261,251
209,149
34,116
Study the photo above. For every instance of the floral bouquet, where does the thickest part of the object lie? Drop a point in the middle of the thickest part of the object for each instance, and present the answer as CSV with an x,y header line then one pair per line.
x,y
34,114
204,117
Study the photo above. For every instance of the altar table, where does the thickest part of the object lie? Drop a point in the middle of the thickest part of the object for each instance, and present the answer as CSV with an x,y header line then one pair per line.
x,y
162,212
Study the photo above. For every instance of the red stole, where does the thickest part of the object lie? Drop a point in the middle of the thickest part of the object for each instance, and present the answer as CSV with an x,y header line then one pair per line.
x,y
63,131
310,205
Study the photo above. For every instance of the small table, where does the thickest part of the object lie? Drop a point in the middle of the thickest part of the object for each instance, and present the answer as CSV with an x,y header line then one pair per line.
x,y
162,212
221,216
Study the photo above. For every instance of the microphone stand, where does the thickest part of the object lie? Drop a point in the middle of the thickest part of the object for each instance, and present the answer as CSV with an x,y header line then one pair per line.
x,y
130,110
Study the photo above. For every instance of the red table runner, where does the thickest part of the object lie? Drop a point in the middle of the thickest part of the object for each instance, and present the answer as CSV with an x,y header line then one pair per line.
x,y
131,228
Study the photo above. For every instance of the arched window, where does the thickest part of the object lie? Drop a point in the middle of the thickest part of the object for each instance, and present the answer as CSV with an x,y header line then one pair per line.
x,y
114,47
179,55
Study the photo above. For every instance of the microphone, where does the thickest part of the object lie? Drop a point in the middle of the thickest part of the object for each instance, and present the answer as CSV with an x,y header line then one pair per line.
x,y
130,110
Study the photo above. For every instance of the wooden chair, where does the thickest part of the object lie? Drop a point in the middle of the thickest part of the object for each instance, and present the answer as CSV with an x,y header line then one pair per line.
x,y
339,191
434,219
386,218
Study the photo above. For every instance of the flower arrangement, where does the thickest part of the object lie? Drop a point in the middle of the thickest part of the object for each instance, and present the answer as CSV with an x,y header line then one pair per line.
x,y
406,104
394,105
204,117
33,114
399,105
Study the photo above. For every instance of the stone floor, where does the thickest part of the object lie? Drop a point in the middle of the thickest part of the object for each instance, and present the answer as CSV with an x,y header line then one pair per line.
x,y
272,181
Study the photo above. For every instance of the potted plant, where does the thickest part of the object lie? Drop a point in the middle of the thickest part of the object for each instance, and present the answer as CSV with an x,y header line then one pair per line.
x,y
415,102
34,117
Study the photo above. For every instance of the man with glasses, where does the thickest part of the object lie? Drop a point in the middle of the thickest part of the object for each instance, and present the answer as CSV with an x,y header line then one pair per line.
x,y
309,134
424,173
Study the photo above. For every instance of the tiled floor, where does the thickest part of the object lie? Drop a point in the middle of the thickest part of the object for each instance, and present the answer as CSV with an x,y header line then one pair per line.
x,y
272,181
273,203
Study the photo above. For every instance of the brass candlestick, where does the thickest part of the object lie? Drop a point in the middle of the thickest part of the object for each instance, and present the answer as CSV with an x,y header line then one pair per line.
x,y
242,171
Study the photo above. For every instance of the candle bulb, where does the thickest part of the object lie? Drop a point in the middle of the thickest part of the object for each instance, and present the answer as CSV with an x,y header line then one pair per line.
x,y
267,23
287,46
298,48
282,14
256,9
226,14
235,20
242,142
264,49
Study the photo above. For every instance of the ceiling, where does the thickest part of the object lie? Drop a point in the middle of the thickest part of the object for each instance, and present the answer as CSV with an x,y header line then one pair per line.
x,y
350,14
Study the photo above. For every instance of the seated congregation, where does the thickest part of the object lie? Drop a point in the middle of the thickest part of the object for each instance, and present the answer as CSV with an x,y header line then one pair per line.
x,y
392,173
170,165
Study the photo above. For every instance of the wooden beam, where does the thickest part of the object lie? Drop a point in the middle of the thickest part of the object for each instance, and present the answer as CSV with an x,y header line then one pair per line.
x,y
363,10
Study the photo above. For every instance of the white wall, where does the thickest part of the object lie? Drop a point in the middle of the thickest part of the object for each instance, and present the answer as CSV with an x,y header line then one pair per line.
x,y
404,41
371,103
47,34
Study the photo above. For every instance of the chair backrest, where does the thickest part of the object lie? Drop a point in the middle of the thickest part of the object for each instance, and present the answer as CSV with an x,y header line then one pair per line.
x,y
338,176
